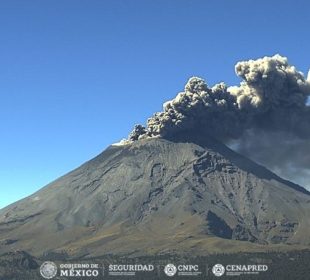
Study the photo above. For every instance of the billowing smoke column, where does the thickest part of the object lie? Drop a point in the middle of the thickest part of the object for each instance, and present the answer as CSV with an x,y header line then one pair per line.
x,y
272,96
266,117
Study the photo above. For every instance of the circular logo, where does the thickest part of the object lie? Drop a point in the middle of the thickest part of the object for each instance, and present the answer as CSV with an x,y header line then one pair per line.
x,y
170,269
48,270
218,270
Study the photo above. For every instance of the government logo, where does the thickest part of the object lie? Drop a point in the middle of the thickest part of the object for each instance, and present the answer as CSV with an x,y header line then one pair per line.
x,y
170,270
218,270
48,270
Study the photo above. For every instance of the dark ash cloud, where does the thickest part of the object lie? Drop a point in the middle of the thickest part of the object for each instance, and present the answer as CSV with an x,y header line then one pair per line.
x,y
267,115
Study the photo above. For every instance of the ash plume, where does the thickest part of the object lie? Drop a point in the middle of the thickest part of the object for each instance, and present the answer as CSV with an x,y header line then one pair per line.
x,y
286,154
267,107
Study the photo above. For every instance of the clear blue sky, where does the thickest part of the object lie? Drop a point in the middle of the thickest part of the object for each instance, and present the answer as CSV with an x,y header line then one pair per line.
x,y
75,76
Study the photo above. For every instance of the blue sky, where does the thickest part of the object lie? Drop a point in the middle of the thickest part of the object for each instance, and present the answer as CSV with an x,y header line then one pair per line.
x,y
75,76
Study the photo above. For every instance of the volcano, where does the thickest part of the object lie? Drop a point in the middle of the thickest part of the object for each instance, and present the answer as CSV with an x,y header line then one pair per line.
x,y
153,196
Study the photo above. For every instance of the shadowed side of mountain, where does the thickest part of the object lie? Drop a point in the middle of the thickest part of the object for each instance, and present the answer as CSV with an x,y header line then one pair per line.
x,y
205,140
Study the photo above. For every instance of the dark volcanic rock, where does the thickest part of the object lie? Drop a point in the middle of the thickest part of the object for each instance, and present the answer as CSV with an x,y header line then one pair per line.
x,y
18,265
157,195
19,259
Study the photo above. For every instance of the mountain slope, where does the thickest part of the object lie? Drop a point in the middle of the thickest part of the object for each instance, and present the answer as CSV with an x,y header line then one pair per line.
x,y
159,195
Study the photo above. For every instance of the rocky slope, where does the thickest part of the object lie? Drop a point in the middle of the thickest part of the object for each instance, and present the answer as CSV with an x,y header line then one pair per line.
x,y
157,196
